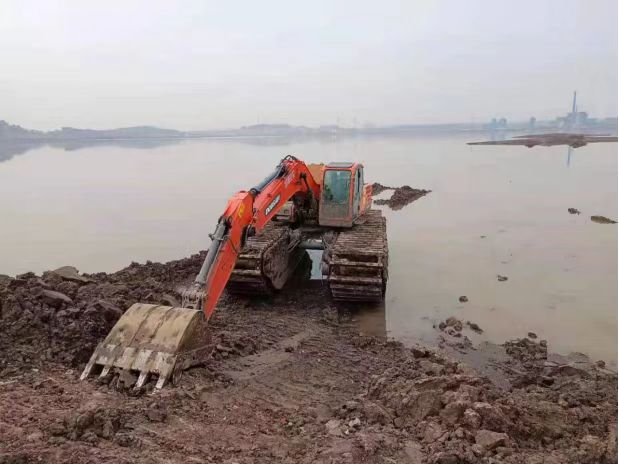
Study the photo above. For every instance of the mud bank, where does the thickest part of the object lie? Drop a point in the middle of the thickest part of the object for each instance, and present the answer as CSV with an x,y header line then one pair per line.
x,y
401,196
290,382
549,140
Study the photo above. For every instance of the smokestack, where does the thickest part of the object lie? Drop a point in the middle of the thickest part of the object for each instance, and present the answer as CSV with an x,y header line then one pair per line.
x,y
574,104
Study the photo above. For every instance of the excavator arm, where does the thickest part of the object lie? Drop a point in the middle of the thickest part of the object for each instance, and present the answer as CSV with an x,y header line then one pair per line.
x,y
246,214
154,339
165,340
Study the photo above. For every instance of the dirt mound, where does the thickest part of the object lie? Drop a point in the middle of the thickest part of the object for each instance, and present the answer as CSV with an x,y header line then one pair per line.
x,y
455,416
401,197
62,315
602,220
378,188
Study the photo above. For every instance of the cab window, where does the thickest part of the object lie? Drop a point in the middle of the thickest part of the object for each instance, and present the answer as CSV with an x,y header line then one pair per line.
x,y
336,187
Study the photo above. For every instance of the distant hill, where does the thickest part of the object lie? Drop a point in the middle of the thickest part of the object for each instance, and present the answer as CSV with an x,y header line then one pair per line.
x,y
257,130
10,132
140,132
13,132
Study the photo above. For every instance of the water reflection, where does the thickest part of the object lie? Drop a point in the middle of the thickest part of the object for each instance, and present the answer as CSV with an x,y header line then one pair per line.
x,y
10,149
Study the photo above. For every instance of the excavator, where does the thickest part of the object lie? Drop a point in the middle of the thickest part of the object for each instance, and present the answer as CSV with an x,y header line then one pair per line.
x,y
257,244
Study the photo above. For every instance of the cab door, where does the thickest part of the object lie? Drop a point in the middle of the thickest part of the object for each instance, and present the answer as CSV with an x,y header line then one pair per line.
x,y
336,206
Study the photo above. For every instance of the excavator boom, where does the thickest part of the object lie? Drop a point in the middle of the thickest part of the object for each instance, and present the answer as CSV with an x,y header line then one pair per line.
x,y
246,214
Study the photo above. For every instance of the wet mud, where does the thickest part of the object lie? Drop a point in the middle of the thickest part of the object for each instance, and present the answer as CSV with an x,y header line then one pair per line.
x,y
602,220
290,381
401,196
597,219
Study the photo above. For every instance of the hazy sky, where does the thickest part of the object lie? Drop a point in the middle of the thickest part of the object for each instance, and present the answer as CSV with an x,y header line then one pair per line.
x,y
216,64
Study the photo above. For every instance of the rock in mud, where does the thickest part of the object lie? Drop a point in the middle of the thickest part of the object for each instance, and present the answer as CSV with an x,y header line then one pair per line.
x,y
452,412
573,211
602,220
110,311
375,413
123,380
451,322
355,423
125,440
463,299
55,299
90,424
420,352
413,452
433,432
471,419
156,415
72,274
489,440
474,327
333,427
501,278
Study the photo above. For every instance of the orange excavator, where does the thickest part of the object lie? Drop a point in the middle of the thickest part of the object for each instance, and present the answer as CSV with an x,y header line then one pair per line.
x,y
258,242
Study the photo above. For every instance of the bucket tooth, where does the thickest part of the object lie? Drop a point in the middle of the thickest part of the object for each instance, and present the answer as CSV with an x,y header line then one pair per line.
x,y
153,339
141,380
89,366
161,382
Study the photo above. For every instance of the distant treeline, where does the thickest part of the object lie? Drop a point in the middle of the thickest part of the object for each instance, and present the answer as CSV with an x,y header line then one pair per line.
x,y
16,133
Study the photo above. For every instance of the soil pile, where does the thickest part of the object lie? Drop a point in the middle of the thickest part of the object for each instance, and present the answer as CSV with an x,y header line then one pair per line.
x,y
455,416
401,196
378,188
602,220
62,315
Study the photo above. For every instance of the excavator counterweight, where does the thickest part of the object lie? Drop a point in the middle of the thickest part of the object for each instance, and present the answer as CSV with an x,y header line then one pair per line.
x,y
258,241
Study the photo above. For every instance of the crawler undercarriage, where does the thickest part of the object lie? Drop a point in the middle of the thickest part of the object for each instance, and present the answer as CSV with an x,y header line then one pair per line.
x,y
354,260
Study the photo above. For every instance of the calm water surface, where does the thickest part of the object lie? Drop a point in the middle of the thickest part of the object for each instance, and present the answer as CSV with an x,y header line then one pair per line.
x,y
101,207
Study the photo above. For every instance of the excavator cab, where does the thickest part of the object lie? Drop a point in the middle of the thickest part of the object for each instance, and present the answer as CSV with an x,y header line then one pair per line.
x,y
344,197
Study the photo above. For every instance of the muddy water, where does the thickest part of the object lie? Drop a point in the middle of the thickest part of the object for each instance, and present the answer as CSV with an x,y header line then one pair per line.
x,y
493,210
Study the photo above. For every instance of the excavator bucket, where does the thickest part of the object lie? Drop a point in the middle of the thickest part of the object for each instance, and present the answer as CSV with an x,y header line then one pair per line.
x,y
153,339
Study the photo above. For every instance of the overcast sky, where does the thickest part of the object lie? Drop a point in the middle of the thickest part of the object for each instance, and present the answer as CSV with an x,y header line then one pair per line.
x,y
218,64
